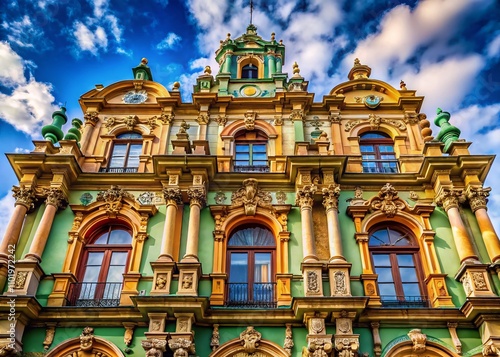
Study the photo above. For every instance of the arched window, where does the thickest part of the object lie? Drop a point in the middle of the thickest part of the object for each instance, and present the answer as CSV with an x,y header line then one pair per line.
x,y
125,153
377,150
251,152
396,261
105,260
250,71
250,257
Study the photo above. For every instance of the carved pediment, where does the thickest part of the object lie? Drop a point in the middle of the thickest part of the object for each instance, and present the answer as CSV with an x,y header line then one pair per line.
x,y
250,197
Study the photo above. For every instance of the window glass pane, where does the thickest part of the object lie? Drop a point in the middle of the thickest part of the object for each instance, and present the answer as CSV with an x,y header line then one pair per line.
x,y
388,157
238,268
256,236
387,289
95,258
129,136
369,157
386,148
374,135
384,274
411,290
259,156
118,155
119,236
408,275
259,148
242,157
115,274
242,148
381,260
380,237
91,274
103,239
262,270
366,148
119,258
405,260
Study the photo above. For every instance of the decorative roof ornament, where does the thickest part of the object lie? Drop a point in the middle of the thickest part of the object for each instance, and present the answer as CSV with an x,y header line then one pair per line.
x,y
142,71
359,71
448,133
74,132
52,132
402,85
296,69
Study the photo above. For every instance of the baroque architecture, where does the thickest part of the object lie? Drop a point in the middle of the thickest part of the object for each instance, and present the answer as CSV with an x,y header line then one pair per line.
x,y
252,221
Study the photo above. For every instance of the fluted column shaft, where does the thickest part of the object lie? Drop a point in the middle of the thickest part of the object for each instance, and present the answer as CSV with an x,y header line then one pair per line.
x,y
173,197
304,199
90,121
331,203
55,200
197,201
450,200
477,200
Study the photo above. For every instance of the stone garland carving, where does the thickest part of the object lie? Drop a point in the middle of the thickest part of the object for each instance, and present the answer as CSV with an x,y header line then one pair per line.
x,y
203,118
288,343
172,195
91,118
281,197
335,118
250,339
221,120
197,196
450,198
351,124
151,122
411,118
478,197
419,340
340,283
167,118
55,197
20,280
331,197
215,339
129,121
181,347
24,196
305,196
387,201
249,120
251,197
312,282
154,347
297,114
278,120
375,121
113,198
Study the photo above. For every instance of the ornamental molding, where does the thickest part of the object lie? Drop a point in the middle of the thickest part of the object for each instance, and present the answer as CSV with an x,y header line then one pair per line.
x,y
250,197
172,195
478,197
55,197
305,197
419,340
166,118
154,347
24,196
222,120
249,120
131,121
203,118
250,339
450,198
91,118
113,198
197,196
297,114
331,197
375,122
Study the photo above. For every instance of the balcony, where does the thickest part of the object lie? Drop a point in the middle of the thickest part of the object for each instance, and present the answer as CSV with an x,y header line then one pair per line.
x,y
381,166
257,295
118,169
95,294
251,168
404,301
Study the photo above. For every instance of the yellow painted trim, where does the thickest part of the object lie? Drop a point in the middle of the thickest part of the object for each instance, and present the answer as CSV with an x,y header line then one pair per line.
x,y
70,346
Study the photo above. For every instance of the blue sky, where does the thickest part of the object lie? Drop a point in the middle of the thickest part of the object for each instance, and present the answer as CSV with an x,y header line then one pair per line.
x,y
52,51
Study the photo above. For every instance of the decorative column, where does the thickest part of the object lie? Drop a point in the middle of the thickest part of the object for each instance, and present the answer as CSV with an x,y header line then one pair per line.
x,y
164,266
472,274
319,343
346,342
337,266
271,63
311,267
181,342
28,270
190,267
477,199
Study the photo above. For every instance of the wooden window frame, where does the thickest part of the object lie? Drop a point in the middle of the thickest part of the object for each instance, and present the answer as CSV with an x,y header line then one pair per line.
x,y
128,142
376,143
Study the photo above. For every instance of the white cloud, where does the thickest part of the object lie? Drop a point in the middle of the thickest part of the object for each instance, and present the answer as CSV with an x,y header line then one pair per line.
x,y
23,33
168,42
493,50
21,151
100,7
115,28
6,209
12,68
88,40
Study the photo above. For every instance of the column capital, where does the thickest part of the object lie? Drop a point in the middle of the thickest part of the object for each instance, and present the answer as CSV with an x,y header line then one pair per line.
x,y
154,347
172,195
304,197
450,198
91,118
24,196
331,197
478,197
55,197
197,196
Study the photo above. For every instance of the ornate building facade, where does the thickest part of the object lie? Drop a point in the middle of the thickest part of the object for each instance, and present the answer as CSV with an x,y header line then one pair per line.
x,y
252,221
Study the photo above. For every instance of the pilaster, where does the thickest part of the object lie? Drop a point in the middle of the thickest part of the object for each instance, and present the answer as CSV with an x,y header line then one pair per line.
x,y
345,341
475,280
319,343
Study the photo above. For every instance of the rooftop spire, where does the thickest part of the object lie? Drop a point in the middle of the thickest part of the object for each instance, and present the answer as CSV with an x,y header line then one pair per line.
x,y
251,11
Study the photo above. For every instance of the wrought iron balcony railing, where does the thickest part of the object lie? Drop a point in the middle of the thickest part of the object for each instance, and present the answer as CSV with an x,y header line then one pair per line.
x,y
251,168
404,301
95,294
118,169
256,295
380,166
